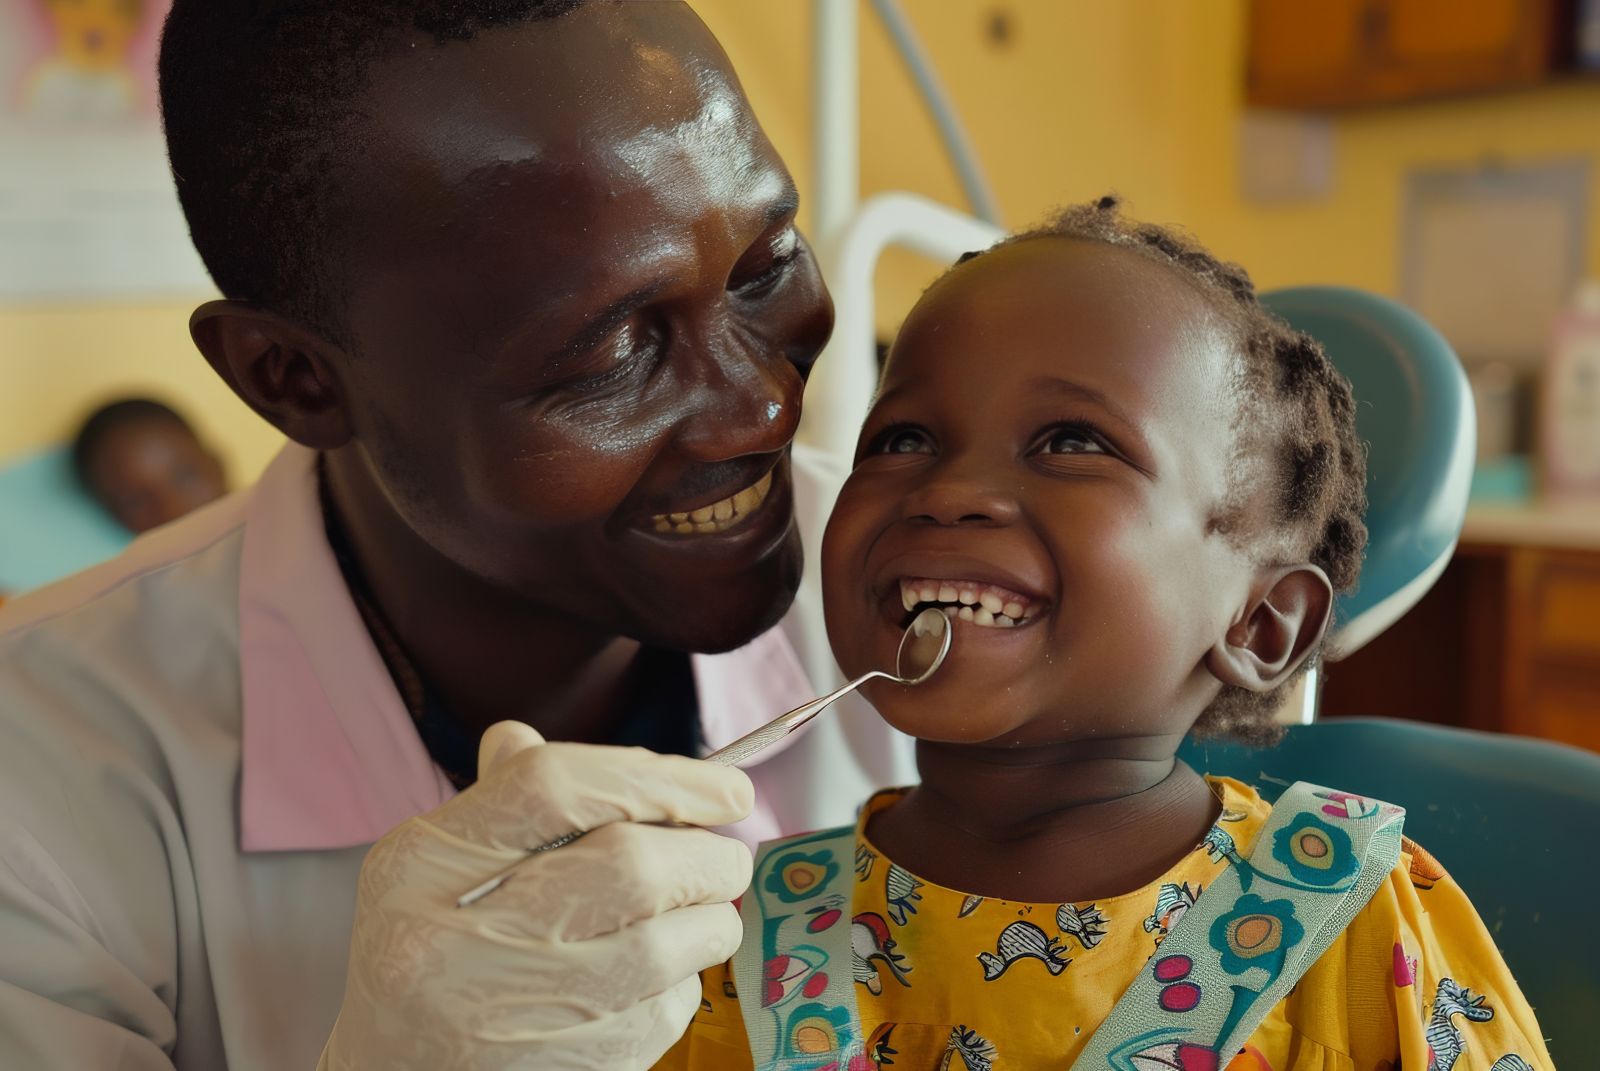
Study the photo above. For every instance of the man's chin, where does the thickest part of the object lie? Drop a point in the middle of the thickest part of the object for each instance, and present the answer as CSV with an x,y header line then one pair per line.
x,y
714,622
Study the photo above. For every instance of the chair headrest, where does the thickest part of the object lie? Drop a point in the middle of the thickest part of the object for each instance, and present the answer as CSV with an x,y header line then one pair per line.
x,y
1414,409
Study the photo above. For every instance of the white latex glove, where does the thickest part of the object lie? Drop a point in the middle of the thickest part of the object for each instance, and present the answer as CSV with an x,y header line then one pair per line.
x,y
588,958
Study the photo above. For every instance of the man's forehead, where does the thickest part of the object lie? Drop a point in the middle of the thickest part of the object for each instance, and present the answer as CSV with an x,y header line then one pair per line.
x,y
564,94
558,173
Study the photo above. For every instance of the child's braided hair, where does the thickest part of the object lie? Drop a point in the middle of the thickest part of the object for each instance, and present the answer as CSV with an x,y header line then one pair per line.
x,y
1304,410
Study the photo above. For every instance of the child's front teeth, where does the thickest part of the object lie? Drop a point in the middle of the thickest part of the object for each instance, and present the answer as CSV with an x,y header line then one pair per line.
x,y
983,605
981,618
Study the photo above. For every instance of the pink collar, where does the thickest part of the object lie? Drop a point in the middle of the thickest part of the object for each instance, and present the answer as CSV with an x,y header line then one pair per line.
x,y
330,757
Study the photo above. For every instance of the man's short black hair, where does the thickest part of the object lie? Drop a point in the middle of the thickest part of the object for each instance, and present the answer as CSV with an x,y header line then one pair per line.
x,y
108,418
259,101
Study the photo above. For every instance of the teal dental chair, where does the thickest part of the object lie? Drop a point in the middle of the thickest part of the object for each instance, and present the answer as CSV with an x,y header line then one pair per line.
x,y
1515,821
48,527
1414,409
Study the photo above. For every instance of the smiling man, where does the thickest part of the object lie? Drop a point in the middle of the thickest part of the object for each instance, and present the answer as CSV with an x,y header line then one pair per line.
x,y
520,281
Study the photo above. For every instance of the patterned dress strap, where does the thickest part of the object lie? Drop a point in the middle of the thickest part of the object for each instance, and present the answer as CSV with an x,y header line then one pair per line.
x,y
794,970
1256,929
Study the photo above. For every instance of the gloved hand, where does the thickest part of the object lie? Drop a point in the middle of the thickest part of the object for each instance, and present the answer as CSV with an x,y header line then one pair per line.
x,y
588,958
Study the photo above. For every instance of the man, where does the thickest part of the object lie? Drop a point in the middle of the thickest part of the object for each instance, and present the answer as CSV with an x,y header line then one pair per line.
x,y
520,280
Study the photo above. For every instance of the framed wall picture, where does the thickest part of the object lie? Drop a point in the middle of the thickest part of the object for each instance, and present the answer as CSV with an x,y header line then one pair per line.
x,y
1492,253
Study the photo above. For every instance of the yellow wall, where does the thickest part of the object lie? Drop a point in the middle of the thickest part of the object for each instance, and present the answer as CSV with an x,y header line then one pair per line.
x,y
60,360
1140,96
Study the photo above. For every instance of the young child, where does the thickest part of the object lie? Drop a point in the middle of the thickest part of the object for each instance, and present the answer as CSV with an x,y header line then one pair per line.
x,y
1137,492
143,462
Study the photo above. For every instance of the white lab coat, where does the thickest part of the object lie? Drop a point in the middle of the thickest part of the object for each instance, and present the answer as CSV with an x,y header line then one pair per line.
x,y
136,932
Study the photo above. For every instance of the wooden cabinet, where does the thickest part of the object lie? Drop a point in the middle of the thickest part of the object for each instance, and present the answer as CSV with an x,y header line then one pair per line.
x,y
1344,53
1551,645
1508,640
1306,54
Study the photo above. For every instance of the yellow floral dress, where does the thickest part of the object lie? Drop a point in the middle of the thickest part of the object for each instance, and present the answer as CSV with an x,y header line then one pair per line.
x,y
954,982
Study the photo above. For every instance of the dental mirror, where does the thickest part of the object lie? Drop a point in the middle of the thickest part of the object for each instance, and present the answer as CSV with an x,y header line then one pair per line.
x,y
923,650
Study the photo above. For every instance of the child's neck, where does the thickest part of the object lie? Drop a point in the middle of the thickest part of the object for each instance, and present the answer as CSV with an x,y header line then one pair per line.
x,y
1075,822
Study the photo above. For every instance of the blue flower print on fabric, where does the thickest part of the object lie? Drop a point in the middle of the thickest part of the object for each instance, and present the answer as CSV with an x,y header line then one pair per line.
x,y
1315,852
1256,933
800,875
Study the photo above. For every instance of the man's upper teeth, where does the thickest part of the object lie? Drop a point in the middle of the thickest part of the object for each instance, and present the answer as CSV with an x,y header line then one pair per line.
x,y
719,516
982,604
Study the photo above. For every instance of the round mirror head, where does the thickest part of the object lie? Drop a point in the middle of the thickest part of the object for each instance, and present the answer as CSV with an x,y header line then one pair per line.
x,y
924,647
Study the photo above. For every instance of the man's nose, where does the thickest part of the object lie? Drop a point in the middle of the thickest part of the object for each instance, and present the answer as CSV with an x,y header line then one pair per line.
x,y
964,490
751,400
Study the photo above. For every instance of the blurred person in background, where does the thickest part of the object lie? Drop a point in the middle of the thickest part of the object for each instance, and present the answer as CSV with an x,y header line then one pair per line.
x,y
144,464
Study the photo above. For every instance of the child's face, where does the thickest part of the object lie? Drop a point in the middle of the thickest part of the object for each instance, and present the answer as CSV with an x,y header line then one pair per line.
x,y
149,472
1056,432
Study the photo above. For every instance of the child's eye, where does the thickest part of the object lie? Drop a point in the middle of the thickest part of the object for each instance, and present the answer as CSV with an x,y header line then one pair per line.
x,y
900,439
1072,439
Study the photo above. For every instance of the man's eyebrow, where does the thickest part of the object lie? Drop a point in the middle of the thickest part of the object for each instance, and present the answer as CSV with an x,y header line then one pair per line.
x,y
600,324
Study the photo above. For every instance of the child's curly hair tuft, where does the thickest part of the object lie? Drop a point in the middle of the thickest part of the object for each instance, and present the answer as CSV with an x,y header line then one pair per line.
x,y
1297,408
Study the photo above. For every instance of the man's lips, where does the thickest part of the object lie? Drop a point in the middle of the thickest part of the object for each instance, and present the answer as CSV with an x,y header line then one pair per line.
x,y
732,547
708,507
719,516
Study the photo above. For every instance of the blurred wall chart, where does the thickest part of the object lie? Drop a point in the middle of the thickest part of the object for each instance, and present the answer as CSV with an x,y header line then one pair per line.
x,y
87,208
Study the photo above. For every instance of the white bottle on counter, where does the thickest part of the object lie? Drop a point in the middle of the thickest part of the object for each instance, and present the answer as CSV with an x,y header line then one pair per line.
x,y
1569,413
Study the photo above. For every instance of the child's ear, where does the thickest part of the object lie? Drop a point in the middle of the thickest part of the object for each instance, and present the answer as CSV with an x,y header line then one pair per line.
x,y
1282,624
281,370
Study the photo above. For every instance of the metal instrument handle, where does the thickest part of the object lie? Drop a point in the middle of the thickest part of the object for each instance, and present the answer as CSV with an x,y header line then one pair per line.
x,y
743,748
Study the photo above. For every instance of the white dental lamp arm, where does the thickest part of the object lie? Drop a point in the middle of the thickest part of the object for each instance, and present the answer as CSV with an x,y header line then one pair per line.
x,y
845,379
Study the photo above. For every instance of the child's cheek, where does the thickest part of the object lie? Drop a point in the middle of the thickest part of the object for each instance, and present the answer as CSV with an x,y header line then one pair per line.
x,y
847,606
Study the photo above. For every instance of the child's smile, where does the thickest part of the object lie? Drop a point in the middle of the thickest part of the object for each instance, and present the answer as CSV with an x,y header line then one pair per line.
x,y
1048,460
983,602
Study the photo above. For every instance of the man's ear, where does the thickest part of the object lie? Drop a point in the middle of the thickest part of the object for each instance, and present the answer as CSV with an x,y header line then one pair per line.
x,y
1288,613
281,370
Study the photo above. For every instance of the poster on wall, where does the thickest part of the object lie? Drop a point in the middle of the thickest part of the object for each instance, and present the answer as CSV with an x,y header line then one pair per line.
x,y
1491,253
87,207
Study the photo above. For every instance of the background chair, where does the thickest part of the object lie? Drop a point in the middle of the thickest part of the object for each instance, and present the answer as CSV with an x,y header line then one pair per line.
x,y
1414,407
48,526
1514,821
